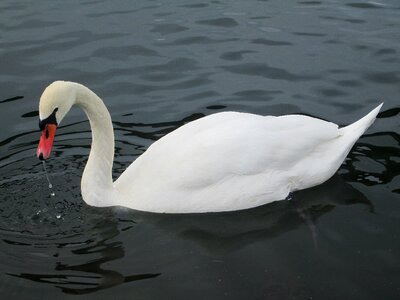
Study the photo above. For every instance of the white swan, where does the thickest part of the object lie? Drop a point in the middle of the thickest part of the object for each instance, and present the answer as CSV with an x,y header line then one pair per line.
x,y
223,162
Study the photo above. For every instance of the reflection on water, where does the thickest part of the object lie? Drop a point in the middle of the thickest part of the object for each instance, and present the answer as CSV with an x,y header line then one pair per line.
x,y
87,274
226,232
158,66
382,168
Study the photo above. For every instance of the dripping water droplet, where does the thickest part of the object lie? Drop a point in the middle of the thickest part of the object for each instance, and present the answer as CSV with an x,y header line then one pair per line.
x,y
52,194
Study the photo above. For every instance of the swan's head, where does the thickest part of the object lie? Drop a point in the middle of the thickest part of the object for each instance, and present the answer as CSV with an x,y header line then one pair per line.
x,y
55,102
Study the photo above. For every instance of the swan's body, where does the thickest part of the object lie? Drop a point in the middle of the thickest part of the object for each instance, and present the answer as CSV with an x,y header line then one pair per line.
x,y
223,162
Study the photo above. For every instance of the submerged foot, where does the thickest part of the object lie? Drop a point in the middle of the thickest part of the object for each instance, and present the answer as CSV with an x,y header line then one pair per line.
x,y
305,215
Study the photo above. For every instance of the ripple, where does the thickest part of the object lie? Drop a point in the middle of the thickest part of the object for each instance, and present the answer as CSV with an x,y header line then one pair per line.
x,y
349,83
173,65
219,22
374,160
383,77
257,94
196,5
369,5
310,2
30,114
199,96
120,12
31,24
331,92
198,40
122,52
347,20
12,99
235,55
264,70
216,107
51,232
355,21
270,42
389,113
165,29
384,52
170,71
190,83
313,34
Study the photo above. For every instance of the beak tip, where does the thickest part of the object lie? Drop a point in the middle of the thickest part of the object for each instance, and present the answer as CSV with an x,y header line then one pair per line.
x,y
40,156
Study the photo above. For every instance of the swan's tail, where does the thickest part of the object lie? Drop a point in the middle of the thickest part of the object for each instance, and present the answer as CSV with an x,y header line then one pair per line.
x,y
355,130
336,151
350,134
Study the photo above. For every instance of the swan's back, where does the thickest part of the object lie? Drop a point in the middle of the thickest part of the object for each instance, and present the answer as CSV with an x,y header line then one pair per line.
x,y
229,161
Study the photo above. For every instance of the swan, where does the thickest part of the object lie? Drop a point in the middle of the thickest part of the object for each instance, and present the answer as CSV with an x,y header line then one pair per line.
x,y
222,162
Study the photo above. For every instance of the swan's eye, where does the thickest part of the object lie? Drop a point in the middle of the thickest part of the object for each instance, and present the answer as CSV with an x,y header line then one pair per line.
x,y
49,120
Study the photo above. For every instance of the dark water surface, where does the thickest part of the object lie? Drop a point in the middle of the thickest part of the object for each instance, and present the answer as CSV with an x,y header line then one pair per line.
x,y
157,65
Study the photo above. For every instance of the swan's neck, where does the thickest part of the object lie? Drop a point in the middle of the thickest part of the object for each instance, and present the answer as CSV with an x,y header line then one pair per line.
x,y
97,182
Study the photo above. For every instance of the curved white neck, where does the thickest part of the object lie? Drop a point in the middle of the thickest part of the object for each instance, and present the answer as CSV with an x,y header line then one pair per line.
x,y
97,177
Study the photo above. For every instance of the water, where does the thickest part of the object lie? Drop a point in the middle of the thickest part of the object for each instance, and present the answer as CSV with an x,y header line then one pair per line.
x,y
158,65
48,179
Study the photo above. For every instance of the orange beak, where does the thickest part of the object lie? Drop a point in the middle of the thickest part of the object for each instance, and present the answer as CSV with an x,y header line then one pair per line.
x,y
46,141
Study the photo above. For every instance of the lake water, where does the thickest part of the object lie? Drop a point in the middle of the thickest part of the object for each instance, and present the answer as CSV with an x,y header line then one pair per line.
x,y
157,65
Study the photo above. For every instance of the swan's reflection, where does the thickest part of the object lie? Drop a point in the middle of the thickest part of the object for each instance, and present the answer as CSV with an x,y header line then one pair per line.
x,y
81,270
226,232
379,154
